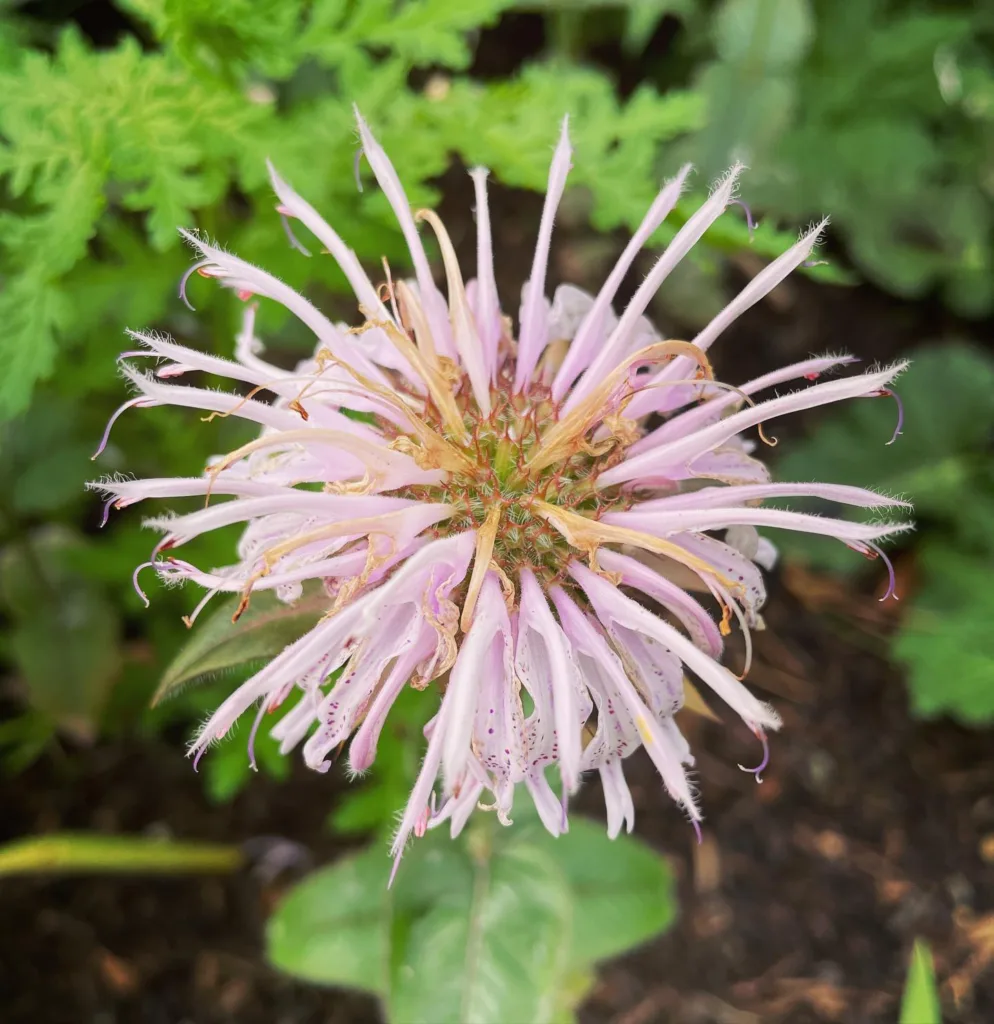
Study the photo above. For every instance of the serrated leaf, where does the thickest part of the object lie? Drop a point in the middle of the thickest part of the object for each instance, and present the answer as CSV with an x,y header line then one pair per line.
x,y
265,628
920,1003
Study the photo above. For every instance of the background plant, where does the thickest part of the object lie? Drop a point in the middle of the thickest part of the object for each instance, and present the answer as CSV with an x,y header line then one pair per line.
x,y
108,143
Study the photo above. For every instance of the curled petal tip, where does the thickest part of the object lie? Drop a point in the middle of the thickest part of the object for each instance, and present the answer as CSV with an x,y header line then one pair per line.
x,y
890,392
764,763
750,223
185,279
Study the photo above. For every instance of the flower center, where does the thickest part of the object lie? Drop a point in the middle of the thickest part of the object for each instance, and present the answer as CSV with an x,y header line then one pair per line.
x,y
501,487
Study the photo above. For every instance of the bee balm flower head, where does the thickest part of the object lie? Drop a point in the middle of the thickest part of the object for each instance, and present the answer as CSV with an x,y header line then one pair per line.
x,y
500,523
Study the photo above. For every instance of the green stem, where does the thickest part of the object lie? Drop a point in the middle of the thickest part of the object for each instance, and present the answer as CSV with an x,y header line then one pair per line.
x,y
82,853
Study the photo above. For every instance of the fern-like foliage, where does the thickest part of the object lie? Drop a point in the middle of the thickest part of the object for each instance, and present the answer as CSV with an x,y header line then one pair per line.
x,y
93,143
104,153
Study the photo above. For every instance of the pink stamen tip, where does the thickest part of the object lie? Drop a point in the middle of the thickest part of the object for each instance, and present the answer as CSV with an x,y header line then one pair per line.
x,y
812,376
291,237
358,179
750,223
697,830
196,268
900,412
766,758
244,294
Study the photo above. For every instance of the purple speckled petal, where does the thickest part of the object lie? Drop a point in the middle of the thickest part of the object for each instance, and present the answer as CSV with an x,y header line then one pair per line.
x,y
561,678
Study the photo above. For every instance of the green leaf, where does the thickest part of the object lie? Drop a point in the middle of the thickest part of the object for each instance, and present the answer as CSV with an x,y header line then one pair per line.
x,y
430,31
333,928
79,137
480,934
66,634
623,891
502,924
78,852
746,116
32,310
945,639
44,463
264,629
920,1004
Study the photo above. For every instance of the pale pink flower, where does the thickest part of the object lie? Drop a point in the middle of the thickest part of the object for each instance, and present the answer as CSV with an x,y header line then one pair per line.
x,y
501,523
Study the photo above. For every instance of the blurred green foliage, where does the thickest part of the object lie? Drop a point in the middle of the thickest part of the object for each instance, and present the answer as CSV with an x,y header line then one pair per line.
x,y
879,113
943,462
